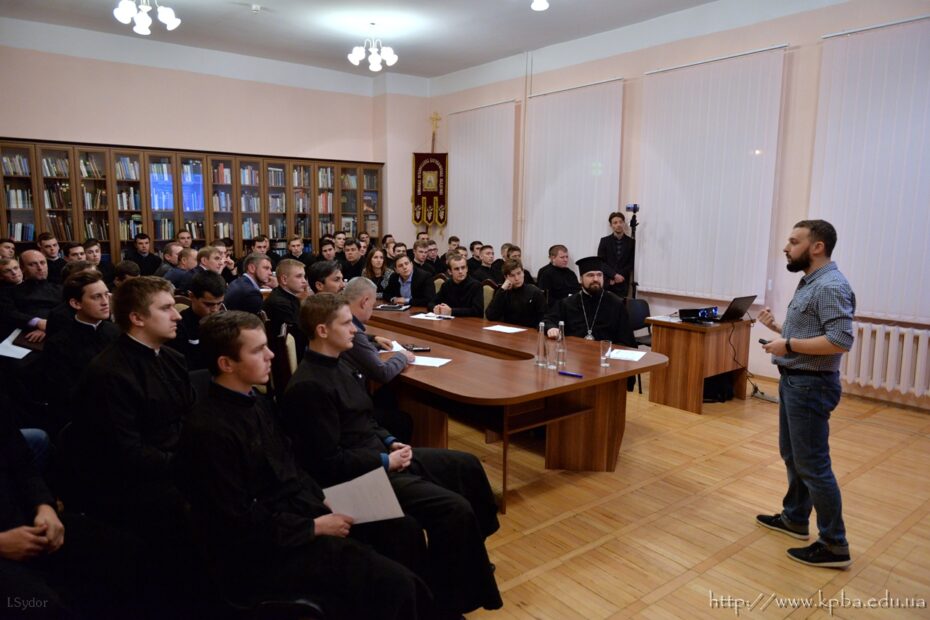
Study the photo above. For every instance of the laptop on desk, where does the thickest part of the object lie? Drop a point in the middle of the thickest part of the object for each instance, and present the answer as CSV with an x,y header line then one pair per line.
x,y
735,310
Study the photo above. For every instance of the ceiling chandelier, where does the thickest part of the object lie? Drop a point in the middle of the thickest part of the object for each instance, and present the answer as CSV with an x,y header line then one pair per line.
x,y
127,12
540,5
376,54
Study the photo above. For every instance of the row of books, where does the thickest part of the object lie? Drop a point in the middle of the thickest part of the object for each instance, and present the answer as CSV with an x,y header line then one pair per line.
x,y
97,228
325,203
195,228
192,199
371,180
275,177
248,175
60,226
222,229
21,231
55,167
164,229
302,202
192,172
162,201
160,171
57,196
222,201
90,168
250,203
278,231
251,228
127,169
222,175
350,226
16,165
96,200
128,200
302,228
129,228
276,203
18,198
327,228
325,177
301,176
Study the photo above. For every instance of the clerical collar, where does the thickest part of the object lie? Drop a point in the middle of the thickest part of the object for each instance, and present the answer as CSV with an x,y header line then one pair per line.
x,y
94,325
147,346
320,358
221,389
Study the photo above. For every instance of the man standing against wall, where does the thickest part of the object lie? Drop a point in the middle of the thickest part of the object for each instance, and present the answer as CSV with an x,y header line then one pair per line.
x,y
617,251
816,332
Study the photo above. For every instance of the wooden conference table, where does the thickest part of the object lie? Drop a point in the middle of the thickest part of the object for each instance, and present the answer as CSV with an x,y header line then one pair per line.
x,y
493,376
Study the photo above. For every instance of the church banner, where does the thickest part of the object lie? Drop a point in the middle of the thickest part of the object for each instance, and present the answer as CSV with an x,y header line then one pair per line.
x,y
429,189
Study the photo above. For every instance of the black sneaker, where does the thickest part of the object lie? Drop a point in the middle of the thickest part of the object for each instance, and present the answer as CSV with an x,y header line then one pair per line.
x,y
819,554
775,522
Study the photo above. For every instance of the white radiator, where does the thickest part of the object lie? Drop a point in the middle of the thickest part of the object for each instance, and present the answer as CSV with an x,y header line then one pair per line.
x,y
887,357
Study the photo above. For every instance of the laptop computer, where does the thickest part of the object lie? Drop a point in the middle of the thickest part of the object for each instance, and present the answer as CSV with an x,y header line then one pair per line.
x,y
736,309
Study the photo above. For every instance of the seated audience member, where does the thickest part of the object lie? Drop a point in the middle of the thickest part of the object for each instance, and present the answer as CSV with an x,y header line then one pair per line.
x,y
556,279
261,244
408,285
328,414
169,258
474,261
7,248
245,291
354,262
454,243
261,518
27,305
433,258
10,273
421,257
460,295
94,253
515,253
499,262
125,270
207,291
385,240
594,314
142,255
339,239
617,251
364,240
377,270
516,302
63,313
74,252
180,275
283,304
227,249
295,251
327,250
389,254
326,277
211,258
49,247
484,271
71,347
185,238
400,249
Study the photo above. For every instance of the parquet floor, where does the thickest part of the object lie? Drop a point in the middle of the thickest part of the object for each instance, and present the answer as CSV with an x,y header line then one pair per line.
x,y
671,533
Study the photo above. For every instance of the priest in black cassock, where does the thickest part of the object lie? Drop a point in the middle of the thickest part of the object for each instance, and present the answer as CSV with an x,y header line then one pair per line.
x,y
594,314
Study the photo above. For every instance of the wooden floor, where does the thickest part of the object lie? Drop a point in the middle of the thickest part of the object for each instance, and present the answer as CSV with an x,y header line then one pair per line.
x,y
674,526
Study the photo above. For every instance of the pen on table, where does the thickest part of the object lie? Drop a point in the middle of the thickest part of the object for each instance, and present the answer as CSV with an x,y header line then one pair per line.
x,y
571,374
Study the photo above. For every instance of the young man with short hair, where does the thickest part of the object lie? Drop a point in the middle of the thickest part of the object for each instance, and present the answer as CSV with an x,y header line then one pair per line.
x,y
474,261
409,286
181,274
125,270
339,239
325,276
460,295
556,279
421,256
617,250
262,519
354,262
207,291
517,302
7,248
74,252
295,251
485,271
184,238
10,272
48,245
94,253
283,304
170,258
327,250
515,253
142,255
245,292
210,258
336,439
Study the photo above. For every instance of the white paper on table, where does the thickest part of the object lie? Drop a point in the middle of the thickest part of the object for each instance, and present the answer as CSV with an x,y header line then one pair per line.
x,y
431,316
435,362
8,349
626,355
396,346
505,329
367,498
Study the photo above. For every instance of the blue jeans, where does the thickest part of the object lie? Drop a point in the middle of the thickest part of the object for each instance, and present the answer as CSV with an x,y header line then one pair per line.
x,y
38,444
805,403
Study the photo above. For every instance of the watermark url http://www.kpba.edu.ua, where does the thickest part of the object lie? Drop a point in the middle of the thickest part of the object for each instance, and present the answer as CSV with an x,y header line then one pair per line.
x,y
837,602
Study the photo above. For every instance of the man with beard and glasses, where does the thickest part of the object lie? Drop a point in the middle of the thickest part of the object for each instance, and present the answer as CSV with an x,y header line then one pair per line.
x,y
594,314
816,332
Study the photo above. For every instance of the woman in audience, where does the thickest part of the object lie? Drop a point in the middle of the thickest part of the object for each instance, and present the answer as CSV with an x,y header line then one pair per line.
x,y
377,271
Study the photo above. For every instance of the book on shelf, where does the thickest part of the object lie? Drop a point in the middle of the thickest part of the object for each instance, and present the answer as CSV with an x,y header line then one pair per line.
x,y
302,202
222,175
18,198
325,203
301,176
55,167
160,171
15,165
128,200
250,228
57,196
97,228
95,201
89,168
371,180
276,203
164,229
278,230
250,203
222,229
275,177
21,231
192,172
130,227
60,226
195,228
248,175
325,177
162,201
192,200
127,169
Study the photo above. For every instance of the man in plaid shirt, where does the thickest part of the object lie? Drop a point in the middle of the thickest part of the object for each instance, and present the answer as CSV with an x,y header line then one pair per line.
x,y
816,332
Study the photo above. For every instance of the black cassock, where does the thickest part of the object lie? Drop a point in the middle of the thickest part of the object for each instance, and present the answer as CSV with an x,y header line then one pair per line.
x,y
604,314
328,413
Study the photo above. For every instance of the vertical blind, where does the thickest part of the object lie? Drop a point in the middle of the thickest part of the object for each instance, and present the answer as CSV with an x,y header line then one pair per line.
x,y
571,169
871,174
709,148
481,166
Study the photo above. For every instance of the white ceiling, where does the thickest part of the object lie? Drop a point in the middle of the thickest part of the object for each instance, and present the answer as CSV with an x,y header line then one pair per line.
x,y
431,37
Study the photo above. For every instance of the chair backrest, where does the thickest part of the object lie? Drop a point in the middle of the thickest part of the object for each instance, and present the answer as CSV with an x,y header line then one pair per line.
x,y
438,280
284,363
182,302
488,287
638,311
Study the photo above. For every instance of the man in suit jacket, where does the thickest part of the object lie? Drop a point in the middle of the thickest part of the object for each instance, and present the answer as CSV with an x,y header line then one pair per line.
x,y
616,250
408,285
244,293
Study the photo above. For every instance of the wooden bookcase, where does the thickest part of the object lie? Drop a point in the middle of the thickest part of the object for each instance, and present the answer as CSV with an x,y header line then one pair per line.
x,y
78,191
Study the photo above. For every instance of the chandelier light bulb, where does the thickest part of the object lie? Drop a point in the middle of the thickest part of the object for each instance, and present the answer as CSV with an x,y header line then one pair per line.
x,y
540,5
372,66
125,11
142,21
168,18
389,56
357,55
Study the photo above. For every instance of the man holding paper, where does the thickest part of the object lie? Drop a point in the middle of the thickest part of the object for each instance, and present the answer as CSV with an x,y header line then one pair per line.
x,y
262,519
329,416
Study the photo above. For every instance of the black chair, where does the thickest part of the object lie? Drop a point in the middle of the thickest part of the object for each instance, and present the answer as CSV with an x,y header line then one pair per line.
x,y
637,311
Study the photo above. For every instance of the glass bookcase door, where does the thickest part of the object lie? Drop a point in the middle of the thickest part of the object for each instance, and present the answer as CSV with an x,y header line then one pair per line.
x,y
57,198
276,184
193,202
348,201
161,197
302,184
127,174
92,169
325,199
18,204
221,197
250,200
371,202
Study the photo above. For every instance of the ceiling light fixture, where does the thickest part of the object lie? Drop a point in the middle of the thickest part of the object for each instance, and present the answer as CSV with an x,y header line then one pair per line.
x,y
127,12
377,54
540,5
